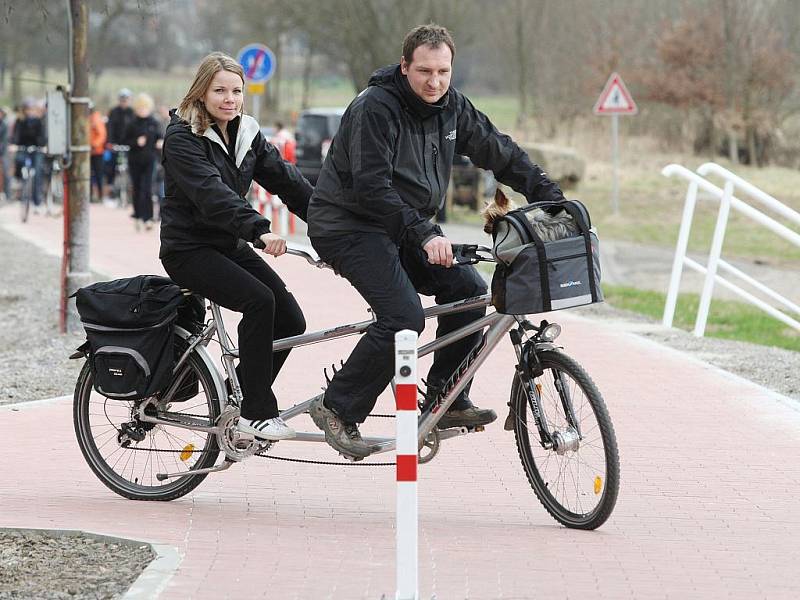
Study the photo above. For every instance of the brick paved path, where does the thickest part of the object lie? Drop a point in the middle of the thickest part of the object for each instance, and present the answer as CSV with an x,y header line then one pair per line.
x,y
710,476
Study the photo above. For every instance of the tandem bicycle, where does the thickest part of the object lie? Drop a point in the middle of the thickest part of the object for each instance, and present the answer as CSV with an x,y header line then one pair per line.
x,y
162,447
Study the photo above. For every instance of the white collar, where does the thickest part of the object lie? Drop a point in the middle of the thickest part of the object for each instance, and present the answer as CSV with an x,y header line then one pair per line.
x,y
248,130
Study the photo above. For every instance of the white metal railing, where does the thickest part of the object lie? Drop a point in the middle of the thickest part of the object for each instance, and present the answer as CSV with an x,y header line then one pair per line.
x,y
727,201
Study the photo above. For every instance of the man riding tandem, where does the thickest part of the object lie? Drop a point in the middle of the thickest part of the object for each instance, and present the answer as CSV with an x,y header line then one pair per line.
x,y
384,177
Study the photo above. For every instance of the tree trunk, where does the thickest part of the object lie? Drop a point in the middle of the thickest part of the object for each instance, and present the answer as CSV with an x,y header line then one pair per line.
x,y
733,146
522,88
77,210
305,98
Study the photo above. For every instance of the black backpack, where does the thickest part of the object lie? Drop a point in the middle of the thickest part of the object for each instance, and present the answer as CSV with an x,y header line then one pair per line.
x,y
129,325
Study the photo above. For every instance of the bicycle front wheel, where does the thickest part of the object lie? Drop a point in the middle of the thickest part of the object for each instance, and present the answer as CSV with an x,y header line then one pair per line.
x,y
577,480
126,453
26,193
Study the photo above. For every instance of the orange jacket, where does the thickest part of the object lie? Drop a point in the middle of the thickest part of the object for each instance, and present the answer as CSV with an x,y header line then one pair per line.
x,y
97,133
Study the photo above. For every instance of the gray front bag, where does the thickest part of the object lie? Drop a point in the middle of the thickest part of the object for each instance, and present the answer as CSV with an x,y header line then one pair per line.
x,y
537,272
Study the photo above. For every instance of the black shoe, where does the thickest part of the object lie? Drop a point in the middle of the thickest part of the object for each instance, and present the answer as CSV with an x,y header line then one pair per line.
x,y
467,417
341,436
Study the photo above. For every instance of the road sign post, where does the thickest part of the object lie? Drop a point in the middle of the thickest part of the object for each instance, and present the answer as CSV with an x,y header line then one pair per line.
x,y
615,100
258,62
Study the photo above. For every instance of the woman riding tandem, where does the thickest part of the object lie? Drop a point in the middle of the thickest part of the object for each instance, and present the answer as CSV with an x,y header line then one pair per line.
x,y
212,151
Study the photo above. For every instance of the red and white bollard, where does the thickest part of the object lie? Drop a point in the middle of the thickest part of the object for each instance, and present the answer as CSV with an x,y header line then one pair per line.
x,y
405,343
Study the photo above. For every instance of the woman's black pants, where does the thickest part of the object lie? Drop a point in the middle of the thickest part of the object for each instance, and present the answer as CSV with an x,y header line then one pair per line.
x,y
241,281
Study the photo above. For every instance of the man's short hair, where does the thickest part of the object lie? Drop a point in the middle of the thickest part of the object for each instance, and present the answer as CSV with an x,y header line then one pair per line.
x,y
430,35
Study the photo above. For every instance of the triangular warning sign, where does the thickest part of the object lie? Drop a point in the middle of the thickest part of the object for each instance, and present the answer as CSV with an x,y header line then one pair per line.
x,y
615,99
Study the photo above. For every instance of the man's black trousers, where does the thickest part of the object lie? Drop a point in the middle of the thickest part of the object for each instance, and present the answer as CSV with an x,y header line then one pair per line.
x,y
240,280
389,278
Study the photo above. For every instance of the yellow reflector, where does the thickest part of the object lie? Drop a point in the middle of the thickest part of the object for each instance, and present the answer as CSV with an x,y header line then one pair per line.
x,y
187,452
598,485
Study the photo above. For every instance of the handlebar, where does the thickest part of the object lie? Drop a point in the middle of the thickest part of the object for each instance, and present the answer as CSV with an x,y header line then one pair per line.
x,y
27,149
463,254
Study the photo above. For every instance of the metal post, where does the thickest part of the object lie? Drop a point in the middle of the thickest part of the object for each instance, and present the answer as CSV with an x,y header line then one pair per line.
x,y
615,159
680,254
256,105
713,259
406,449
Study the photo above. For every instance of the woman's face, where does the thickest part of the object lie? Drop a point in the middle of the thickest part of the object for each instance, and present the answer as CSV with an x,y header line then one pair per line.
x,y
224,97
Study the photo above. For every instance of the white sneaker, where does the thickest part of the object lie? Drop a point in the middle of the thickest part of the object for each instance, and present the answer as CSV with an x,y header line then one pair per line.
x,y
266,429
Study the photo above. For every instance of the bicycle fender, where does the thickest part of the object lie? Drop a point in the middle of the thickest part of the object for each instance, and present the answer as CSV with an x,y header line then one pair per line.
x,y
219,383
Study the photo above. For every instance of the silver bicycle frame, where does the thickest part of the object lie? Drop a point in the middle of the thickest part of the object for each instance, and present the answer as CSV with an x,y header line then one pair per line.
x,y
496,325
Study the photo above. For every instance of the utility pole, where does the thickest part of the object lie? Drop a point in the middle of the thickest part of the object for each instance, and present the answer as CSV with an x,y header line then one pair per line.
x,y
76,213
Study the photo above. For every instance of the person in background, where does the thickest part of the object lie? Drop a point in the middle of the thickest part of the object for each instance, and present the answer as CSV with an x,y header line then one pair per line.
x,y
144,136
4,172
97,143
118,119
285,143
29,133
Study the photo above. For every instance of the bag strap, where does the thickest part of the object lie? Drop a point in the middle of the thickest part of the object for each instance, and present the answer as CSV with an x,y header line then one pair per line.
x,y
521,224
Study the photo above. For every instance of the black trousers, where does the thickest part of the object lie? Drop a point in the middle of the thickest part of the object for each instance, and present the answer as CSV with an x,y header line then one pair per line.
x,y
241,281
389,278
142,183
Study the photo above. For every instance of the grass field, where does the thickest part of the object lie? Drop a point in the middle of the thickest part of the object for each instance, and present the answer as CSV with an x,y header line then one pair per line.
x,y
726,319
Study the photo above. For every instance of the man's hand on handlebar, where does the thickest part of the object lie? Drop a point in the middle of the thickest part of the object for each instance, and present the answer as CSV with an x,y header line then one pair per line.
x,y
439,251
273,244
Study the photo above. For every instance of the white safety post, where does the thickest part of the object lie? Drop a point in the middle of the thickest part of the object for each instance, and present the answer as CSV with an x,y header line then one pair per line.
x,y
405,374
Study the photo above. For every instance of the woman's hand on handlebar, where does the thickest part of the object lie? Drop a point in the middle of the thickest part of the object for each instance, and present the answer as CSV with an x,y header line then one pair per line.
x,y
273,244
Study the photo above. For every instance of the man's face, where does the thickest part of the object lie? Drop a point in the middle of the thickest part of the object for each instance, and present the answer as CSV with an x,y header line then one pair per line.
x,y
124,101
429,71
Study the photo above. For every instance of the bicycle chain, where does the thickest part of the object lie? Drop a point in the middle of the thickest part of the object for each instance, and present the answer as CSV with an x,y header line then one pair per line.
x,y
287,459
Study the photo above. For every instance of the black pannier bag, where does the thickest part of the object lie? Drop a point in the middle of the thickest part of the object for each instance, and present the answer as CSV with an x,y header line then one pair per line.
x,y
548,258
129,324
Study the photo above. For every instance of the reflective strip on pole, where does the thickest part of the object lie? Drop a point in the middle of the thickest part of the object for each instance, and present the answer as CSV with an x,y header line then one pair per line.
x,y
406,449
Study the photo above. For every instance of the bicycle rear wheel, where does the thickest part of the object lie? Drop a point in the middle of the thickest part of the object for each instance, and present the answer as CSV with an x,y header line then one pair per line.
x,y
107,431
577,481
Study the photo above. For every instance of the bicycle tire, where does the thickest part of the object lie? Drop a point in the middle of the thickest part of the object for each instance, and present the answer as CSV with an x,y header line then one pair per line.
x,y
134,488
26,195
549,481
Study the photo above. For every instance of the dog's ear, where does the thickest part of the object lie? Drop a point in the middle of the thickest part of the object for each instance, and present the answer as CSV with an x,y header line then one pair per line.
x,y
500,199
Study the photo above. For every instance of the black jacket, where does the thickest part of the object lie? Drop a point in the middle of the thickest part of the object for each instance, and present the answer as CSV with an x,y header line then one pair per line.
x,y
148,127
29,131
388,167
118,120
205,187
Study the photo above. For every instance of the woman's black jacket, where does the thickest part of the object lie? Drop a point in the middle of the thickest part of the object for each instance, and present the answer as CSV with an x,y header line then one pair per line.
x,y
151,130
205,187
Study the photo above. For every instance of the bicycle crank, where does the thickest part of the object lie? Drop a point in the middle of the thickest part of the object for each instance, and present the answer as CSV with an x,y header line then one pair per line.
x,y
429,447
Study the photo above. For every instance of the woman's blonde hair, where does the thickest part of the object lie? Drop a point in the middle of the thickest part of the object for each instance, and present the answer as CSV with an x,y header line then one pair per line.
x,y
143,102
191,108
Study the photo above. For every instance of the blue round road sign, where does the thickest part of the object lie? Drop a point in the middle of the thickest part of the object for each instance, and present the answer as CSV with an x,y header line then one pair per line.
x,y
258,62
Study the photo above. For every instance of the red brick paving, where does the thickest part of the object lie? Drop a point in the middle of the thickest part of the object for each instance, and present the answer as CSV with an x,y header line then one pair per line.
x,y
707,506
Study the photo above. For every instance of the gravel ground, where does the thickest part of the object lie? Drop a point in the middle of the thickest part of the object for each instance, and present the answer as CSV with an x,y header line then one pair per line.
x,y
75,566
34,365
